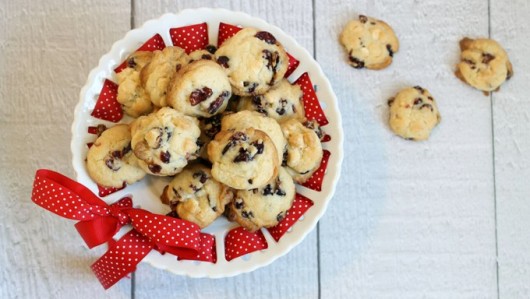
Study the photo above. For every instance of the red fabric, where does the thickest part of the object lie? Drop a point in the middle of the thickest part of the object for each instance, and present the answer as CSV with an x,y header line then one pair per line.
x,y
207,252
104,191
154,43
300,205
226,31
293,64
99,222
107,106
313,110
326,138
239,242
315,181
190,38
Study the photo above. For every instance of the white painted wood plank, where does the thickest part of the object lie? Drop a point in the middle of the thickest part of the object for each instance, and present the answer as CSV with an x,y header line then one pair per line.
x,y
292,276
511,111
48,48
410,219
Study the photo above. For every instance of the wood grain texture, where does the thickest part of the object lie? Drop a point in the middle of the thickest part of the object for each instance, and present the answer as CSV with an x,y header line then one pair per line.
x,y
409,219
511,114
292,276
47,48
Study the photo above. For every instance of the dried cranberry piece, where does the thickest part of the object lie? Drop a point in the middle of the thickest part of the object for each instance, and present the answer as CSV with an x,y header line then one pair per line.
x,y
266,37
247,215
110,164
154,168
389,49
211,49
201,175
165,157
223,61
486,58
281,110
419,88
200,95
242,156
251,87
238,203
356,63
363,19
418,101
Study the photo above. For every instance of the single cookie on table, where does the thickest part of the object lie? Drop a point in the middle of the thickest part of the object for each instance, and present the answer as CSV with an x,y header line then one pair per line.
x,y
413,113
200,89
281,102
243,159
254,61
196,196
165,141
110,161
157,74
484,64
304,151
251,119
370,43
131,95
265,206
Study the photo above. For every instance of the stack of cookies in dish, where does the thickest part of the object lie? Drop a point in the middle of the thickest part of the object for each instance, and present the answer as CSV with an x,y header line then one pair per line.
x,y
224,123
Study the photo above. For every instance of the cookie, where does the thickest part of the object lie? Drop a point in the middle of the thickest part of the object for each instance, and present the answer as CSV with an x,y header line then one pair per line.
x,y
281,102
139,59
251,119
157,74
413,113
315,126
196,196
254,61
200,88
110,161
369,42
243,159
209,128
165,141
484,64
304,151
265,206
201,55
131,95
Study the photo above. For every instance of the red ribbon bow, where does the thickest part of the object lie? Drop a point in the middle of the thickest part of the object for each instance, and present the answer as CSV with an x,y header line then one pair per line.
x,y
99,222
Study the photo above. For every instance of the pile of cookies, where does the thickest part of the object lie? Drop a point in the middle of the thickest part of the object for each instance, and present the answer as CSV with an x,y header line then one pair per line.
x,y
371,44
224,123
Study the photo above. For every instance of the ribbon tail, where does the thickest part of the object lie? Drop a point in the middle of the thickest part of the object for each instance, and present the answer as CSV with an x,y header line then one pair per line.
x,y
121,258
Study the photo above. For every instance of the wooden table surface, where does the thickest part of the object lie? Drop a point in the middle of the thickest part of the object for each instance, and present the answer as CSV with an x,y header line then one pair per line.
x,y
446,218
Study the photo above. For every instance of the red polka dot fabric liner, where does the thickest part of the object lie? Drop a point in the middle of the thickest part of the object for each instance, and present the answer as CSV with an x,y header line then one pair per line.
x,y
226,31
239,242
293,64
300,205
107,107
190,38
315,181
313,110
207,252
154,43
326,138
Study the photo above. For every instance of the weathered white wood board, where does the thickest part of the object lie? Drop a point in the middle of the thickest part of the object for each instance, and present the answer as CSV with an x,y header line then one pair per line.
x,y
511,117
410,219
292,276
48,48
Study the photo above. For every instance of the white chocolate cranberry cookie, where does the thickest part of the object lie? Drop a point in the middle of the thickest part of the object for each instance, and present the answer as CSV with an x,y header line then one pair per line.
x,y
265,206
281,102
243,159
483,64
110,161
254,61
413,113
200,89
196,196
131,95
157,74
369,42
304,151
165,141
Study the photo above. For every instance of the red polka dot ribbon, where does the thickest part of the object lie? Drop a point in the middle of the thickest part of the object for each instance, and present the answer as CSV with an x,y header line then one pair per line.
x,y
300,205
99,222
154,43
316,180
313,110
107,106
240,241
190,38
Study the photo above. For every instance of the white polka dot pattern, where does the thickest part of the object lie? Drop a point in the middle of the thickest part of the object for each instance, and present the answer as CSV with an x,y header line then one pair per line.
x,y
313,110
104,191
190,38
300,205
154,43
315,181
207,252
239,242
293,64
107,107
225,32
121,258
